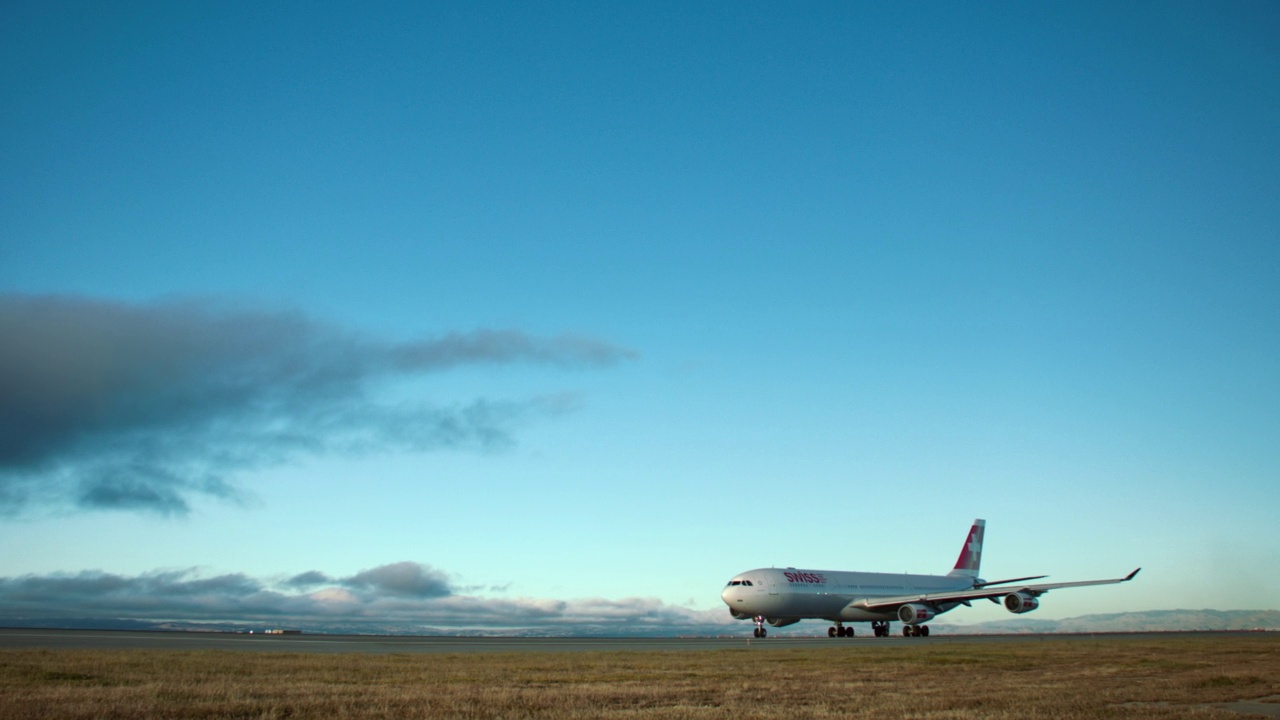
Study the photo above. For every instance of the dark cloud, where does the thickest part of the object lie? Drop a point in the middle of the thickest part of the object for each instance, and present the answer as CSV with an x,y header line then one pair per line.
x,y
178,591
308,579
406,593
488,346
405,579
112,405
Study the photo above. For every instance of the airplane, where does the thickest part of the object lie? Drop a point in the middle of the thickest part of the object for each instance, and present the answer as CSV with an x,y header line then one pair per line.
x,y
786,596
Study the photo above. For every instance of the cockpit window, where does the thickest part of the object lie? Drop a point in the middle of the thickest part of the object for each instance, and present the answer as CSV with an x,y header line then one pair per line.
x,y
746,582
739,582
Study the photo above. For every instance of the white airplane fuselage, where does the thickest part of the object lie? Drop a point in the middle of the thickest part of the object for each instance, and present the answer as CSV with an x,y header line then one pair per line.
x,y
781,594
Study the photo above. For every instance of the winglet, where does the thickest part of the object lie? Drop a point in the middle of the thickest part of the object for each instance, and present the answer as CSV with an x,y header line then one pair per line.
x,y
1130,576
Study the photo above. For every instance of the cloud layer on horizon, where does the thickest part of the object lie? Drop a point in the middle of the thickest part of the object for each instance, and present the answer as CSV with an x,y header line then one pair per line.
x,y
404,593
111,405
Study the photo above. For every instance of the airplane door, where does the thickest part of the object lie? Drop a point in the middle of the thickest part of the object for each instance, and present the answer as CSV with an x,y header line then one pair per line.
x,y
773,583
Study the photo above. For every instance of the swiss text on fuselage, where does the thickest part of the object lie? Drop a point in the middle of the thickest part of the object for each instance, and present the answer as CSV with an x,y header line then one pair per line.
x,y
804,577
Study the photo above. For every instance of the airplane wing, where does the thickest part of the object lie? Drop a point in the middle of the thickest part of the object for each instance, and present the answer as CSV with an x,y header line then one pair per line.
x,y
963,596
1006,582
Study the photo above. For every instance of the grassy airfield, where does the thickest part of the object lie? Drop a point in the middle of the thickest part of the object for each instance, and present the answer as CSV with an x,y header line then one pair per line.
x,y
1155,677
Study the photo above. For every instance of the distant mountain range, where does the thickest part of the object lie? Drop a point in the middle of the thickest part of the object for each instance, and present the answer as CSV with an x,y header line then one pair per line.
x,y
1147,621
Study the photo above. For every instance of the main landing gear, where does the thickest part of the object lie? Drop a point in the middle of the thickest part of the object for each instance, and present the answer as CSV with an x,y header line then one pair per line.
x,y
879,627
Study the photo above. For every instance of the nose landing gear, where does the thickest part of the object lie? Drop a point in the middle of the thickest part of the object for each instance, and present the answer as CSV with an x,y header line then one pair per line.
x,y
760,629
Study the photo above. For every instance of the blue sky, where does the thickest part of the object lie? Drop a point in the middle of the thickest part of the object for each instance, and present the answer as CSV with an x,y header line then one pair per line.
x,y
576,305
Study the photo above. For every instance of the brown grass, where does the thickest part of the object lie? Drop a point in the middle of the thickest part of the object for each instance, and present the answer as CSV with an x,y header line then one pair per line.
x,y
1160,677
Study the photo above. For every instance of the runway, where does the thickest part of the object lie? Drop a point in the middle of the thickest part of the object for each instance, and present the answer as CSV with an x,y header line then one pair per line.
x,y
34,638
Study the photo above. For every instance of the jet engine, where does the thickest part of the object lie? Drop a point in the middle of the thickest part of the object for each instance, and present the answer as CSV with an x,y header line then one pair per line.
x,y
1020,602
739,615
912,614
782,622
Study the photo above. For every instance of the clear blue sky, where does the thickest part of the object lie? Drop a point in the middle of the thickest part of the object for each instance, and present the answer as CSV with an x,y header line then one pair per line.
x,y
565,305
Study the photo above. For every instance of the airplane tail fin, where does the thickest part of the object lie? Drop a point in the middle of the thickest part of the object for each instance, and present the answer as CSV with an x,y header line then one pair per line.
x,y
971,554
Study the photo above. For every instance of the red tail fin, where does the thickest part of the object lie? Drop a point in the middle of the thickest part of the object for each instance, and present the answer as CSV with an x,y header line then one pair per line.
x,y
971,554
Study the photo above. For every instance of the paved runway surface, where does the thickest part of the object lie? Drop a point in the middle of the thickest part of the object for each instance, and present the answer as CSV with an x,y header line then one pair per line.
x,y
21,638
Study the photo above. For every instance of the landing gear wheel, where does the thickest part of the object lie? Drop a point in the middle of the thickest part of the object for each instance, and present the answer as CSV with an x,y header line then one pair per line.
x,y
924,631
831,631
848,632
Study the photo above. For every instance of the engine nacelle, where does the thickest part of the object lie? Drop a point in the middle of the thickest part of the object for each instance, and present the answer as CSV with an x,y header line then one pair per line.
x,y
782,622
911,614
739,615
1020,602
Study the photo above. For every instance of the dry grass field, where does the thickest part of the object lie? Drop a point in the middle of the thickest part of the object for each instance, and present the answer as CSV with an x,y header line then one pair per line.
x,y
1160,677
